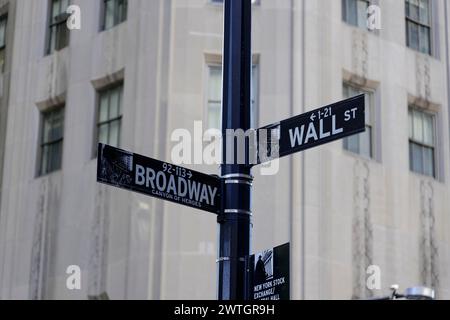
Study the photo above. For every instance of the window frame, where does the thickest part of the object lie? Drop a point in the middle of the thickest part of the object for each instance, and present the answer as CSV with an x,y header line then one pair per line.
x,y
42,144
419,24
345,16
116,17
54,27
109,88
254,85
208,101
434,116
373,123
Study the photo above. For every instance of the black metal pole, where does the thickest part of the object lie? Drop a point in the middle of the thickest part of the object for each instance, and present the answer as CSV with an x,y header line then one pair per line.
x,y
235,218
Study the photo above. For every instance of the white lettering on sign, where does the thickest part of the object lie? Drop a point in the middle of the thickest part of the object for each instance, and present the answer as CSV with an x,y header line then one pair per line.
x,y
311,133
171,186
297,134
350,114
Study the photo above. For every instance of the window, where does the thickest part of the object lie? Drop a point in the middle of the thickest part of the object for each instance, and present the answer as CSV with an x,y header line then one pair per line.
x,y
52,134
422,142
354,12
418,22
215,96
3,23
362,143
115,12
110,116
58,31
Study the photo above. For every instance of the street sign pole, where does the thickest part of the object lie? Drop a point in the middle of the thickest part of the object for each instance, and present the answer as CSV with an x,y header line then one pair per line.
x,y
235,217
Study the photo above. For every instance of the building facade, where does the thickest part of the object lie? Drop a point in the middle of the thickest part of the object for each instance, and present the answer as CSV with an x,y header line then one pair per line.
x,y
137,70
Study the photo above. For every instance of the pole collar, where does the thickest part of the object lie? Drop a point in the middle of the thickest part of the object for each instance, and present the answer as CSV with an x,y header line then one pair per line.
x,y
237,175
236,181
237,211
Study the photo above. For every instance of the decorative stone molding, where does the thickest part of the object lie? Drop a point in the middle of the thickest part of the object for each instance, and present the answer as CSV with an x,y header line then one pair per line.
x,y
429,252
108,80
98,245
360,53
38,248
423,77
362,230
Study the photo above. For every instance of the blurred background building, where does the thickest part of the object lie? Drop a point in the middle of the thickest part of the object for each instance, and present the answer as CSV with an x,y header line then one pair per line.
x,y
139,69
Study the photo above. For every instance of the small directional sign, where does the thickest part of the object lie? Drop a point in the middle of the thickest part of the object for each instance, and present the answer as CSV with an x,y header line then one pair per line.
x,y
268,274
158,179
313,128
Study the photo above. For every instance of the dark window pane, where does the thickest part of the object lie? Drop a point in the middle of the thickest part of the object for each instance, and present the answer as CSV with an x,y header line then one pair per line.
x,y
114,131
120,99
52,41
123,7
114,104
428,130
52,140
418,126
411,157
62,36
361,7
64,5
103,134
351,12
56,157
365,143
103,112
115,12
109,14
44,160
58,34
414,9
424,39
110,116
413,35
3,31
424,12
417,158
352,144
57,123
428,161
55,9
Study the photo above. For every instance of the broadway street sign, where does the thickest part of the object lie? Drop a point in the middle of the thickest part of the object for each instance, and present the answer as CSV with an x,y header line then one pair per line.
x,y
312,129
158,179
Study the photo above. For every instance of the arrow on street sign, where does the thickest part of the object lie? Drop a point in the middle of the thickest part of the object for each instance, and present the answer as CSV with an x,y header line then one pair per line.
x,y
158,179
312,129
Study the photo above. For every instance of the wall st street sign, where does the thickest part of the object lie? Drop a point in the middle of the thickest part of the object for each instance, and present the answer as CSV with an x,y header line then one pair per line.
x,y
158,179
313,128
